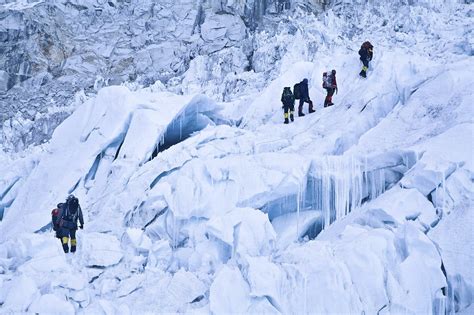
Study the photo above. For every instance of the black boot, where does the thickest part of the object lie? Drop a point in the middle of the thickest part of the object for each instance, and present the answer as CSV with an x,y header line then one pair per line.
x,y
65,241
292,118
286,121
300,110
363,74
311,110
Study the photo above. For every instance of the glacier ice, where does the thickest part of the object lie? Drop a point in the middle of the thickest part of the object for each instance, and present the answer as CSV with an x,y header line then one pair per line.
x,y
199,206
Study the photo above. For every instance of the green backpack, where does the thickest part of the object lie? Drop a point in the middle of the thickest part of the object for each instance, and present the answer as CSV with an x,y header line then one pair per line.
x,y
287,97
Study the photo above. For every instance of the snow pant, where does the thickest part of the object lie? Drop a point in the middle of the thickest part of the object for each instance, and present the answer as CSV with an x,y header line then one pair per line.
x,y
328,99
64,235
300,107
365,67
288,112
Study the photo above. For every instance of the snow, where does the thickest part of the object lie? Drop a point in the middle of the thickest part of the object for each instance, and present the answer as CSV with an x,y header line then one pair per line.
x,y
362,207
51,304
101,249
229,299
20,294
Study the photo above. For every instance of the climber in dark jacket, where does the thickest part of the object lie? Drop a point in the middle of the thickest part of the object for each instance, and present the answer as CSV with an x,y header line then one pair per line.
x,y
366,53
330,85
288,100
64,220
304,97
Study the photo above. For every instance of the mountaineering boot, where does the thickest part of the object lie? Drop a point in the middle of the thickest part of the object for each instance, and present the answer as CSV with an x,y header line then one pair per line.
x,y
286,121
311,110
300,110
292,118
65,241
363,72
73,245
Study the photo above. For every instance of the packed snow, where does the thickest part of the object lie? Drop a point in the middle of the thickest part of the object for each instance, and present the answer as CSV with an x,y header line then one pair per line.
x,y
197,206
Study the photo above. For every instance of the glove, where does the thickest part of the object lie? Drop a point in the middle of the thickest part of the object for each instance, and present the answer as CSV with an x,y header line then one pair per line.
x,y
81,227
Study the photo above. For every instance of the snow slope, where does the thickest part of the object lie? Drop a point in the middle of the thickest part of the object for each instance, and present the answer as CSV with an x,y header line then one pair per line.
x,y
365,206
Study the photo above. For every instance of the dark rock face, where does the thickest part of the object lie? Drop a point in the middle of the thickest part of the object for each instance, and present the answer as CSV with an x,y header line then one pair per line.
x,y
51,50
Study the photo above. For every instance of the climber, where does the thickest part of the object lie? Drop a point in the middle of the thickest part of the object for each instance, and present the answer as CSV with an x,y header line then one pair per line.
x,y
366,53
302,94
330,84
288,100
64,220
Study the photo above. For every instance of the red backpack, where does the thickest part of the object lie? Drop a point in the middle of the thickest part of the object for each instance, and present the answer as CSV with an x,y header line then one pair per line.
x,y
55,219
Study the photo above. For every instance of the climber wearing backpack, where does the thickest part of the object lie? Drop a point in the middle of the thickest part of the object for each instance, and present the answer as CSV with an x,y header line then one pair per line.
x,y
330,84
302,93
366,53
288,100
64,220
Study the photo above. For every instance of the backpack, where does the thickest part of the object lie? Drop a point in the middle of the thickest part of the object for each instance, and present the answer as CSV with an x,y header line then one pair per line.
x,y
367,45
55,219
287,97
325,80
70,212
296,91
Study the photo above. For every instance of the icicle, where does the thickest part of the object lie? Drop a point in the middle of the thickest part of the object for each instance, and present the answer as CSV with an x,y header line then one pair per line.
x,y
339,186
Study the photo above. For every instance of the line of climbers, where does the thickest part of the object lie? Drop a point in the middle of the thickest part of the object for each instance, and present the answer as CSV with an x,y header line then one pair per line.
x,y
301,91
64,221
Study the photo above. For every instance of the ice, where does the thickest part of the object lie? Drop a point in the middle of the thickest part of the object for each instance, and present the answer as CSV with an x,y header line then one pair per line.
x,y
427,268
292,227
136,238
130,285
407,204
247,231
454,235
195,206
101,250
22,292
229,299
265,280
51,304
98,126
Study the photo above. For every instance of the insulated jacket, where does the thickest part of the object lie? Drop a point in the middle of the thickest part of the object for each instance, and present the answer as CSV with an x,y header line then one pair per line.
x,y
287,98
366,52
68,220
304,93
